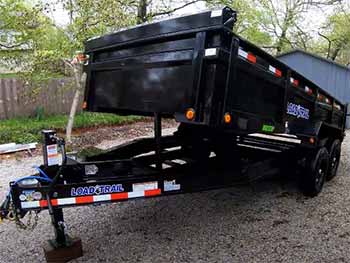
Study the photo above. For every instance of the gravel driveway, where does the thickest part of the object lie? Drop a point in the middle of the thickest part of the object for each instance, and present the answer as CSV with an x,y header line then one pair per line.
x,y
269,221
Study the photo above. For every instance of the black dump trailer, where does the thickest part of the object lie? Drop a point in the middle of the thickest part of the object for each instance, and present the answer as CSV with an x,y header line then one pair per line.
x,y
242,114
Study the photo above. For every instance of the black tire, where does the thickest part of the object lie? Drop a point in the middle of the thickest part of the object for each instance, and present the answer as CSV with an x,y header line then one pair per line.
x,y
334,158
314,174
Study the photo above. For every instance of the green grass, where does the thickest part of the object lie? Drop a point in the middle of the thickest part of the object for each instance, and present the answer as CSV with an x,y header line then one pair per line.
x,y
8,75
25,130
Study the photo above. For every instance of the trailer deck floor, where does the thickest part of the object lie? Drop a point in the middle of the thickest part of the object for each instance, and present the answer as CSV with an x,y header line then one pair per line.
x,y
269,221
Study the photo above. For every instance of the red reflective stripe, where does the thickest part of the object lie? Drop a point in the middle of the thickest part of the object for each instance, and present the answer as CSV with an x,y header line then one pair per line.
x,y
152,192
43,203
251,58
84,199
278,73
119,196
295,82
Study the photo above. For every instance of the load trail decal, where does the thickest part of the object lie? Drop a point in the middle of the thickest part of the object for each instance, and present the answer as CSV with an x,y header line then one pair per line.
x,y
298,111
98,189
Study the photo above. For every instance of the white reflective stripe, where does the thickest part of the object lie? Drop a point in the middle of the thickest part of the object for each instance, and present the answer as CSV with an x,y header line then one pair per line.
x,y
272,69
242,53
66,201
99,198
216,13
210,52
136,194
30,204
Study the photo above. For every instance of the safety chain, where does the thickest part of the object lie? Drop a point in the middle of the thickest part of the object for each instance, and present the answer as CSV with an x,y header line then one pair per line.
x,y
29,225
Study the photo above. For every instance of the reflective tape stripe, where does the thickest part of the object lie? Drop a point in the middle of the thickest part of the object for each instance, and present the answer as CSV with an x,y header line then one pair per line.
x,y
100,198
119,196
91,199
136,194
251,58
294,81
30,204
248,56
152,192
275,71
84,199
66,201
43,203
242,53
210,52
308,90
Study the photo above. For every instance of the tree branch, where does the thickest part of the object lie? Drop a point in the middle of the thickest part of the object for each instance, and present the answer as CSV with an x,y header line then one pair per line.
x,y
329,43
167,12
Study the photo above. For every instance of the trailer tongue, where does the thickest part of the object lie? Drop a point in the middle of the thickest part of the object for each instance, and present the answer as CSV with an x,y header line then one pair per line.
x,y
242,114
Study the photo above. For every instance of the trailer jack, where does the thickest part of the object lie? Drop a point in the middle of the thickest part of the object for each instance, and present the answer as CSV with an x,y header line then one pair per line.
x,y
63,248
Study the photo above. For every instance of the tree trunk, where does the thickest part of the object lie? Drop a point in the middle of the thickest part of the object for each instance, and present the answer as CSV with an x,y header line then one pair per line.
x,y
79,82
142,12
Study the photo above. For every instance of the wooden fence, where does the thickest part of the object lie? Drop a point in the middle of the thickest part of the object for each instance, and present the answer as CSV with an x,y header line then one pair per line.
x,y
21,99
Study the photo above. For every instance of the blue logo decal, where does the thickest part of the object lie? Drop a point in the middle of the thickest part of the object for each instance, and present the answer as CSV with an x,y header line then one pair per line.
x,y
96,190
298,111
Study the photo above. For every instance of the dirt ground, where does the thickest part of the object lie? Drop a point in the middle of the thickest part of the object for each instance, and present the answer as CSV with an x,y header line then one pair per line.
x,y
268,221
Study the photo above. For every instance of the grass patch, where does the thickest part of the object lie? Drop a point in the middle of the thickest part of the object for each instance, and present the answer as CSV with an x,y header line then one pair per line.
x,y
8,75
25,130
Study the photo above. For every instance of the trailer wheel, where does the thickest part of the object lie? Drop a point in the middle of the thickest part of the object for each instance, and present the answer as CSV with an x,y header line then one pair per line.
x,y
334,158
315,172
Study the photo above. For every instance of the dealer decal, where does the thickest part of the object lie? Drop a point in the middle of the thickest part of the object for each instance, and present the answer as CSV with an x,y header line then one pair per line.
x,y
97,189
298,111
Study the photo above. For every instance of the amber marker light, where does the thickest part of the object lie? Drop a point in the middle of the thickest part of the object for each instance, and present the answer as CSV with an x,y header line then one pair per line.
x,y
190,113
312,140
227,118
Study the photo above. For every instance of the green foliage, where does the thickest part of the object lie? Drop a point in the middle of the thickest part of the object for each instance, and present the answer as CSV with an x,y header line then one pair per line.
x,y
25,130
22,27
336,38
249,20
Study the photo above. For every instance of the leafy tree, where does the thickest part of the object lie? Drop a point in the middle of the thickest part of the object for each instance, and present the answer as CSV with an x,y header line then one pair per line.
x,y
21,27
284,21
336,35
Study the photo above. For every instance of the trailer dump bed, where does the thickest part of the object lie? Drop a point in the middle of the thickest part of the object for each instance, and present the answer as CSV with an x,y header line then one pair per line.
x,y
196,63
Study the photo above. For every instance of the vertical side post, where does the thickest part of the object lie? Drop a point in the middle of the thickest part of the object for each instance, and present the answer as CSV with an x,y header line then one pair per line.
x,y
231,75
197,62
158,136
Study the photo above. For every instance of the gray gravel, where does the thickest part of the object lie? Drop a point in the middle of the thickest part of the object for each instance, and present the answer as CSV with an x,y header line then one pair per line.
x,y
269,221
